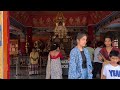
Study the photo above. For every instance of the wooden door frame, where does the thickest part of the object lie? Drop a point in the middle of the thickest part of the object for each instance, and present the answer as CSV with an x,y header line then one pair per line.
x,y
6,45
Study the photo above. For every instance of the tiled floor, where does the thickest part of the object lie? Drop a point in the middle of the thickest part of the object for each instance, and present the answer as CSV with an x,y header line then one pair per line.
x,y
23,74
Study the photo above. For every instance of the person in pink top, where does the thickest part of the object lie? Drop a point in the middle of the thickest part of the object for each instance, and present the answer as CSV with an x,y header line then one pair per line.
x,y
54,69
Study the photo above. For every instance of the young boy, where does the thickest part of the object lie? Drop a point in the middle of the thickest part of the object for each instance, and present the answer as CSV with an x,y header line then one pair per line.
x,y
112,70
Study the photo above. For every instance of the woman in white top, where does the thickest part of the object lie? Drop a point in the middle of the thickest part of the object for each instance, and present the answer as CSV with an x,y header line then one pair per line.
x,y
53,68
97,63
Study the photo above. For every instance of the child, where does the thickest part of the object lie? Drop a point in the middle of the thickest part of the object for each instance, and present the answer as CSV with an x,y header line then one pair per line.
x,y
112,70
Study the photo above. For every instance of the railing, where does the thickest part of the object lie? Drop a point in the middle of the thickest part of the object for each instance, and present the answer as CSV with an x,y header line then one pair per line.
x,y
18,63
20,66
23,60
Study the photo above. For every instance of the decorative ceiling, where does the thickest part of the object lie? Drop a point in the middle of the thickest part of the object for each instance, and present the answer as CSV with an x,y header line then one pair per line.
x,y
114,23
46,18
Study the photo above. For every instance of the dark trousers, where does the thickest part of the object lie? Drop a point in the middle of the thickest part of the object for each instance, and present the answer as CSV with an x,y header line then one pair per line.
x,y
97,69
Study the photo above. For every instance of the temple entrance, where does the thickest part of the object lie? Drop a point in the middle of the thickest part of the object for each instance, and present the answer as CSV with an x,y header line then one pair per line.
x,y
24,39
39,30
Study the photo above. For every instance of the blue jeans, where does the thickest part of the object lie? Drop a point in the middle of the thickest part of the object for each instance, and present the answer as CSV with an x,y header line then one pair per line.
x,y
85,73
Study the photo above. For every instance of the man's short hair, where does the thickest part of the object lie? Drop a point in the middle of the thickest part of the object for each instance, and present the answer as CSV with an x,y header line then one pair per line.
x,y
114,53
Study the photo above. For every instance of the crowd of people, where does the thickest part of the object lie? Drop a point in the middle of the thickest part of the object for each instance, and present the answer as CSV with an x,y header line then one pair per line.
x,y
85,62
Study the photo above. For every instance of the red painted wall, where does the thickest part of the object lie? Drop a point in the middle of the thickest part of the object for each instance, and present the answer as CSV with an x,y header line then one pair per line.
x,y
41,19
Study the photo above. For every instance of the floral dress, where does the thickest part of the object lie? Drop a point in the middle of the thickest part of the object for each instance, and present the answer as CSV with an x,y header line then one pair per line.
x,y
54,69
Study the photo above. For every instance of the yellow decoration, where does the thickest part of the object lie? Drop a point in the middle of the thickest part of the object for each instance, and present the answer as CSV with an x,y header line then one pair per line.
x,y
1,46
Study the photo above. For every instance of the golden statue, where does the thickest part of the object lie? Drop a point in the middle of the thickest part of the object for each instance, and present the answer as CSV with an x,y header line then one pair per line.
x,y
60,28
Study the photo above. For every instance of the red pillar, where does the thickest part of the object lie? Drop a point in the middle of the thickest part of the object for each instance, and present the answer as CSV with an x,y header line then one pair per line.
x,y
19,43
91,32
91,36
22,45
29,39
6,45
101,37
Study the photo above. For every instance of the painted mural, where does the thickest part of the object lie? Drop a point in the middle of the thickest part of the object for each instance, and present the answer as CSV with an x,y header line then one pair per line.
x,y
97,16
22,17
46,19
43,36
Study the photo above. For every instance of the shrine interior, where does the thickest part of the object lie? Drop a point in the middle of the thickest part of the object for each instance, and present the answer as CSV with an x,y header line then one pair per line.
x,y
40,29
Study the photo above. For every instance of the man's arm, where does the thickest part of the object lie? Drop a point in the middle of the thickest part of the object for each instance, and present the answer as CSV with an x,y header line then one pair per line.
x,y
103,77
103,72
